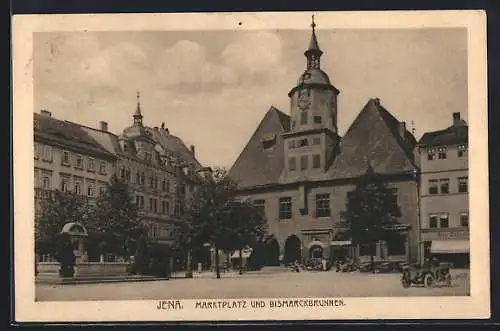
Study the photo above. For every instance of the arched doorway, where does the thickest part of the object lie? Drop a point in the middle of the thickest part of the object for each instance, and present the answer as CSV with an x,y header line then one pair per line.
x,y
273,253
316,252
292,249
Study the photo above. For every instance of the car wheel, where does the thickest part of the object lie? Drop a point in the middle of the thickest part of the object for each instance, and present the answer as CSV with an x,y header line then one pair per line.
x,y
428,281
405,281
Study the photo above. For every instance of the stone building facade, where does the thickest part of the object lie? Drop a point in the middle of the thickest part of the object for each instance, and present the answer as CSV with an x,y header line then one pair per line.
x,y
160,169
444,193
299,171
66,158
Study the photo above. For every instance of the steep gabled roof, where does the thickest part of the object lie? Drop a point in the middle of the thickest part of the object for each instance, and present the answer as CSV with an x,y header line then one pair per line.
x,y
173,144
454,134
66,134
374,138
257,165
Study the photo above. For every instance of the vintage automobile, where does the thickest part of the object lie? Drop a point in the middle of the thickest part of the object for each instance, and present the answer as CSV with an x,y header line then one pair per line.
x,y
428,276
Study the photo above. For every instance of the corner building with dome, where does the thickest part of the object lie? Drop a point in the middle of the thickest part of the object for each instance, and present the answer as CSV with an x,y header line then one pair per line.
x,y
299,171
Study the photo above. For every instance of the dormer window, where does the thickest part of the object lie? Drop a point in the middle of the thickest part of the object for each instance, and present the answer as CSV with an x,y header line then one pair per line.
x,y
442,153
461,150
303,143
268,140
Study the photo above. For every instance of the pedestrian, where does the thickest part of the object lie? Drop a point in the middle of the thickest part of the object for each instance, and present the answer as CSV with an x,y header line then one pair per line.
x,y
323,261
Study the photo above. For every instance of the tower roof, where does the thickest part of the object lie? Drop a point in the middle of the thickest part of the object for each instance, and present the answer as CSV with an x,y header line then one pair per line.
x,y
313,43
137,114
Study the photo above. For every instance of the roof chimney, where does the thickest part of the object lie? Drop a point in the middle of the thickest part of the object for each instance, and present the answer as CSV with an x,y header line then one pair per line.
x,y
192,149
456,119
46,113
402,129
104,126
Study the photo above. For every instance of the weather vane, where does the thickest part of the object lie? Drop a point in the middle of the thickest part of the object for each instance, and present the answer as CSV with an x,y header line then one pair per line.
x,y
313,25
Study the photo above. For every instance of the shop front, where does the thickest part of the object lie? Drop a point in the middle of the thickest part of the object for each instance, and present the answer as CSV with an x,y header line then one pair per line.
x,y
447,245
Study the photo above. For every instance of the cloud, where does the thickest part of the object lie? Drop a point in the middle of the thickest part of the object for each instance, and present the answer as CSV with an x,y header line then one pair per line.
x,y
255,53
255,57
186,63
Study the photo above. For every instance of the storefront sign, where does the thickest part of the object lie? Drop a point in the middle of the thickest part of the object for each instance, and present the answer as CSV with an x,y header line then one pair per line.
x,y
445,235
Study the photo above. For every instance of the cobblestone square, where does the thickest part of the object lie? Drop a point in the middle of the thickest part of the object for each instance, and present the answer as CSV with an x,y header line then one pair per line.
x,y
267,283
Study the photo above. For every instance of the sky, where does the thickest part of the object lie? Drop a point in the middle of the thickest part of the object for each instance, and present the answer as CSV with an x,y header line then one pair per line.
x,y
212,88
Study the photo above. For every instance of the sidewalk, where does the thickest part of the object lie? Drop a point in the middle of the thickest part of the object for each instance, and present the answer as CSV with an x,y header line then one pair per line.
x,y
94,280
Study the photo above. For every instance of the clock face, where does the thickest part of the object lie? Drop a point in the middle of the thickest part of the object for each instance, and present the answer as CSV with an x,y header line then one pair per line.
x,y
304,100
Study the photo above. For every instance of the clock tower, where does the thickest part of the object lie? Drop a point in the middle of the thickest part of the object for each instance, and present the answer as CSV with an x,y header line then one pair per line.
x,y
312,139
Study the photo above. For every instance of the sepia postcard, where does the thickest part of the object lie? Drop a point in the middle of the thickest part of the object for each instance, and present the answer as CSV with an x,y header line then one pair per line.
x,y
250,166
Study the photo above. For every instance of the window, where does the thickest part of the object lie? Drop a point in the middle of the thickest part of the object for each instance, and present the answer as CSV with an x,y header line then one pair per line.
x,y
268,141
292,164
79,162
64,184
316,161
168,186
293,125
150,203
260,205
127,174
441,153
102,190
141,202
433,220
443,221
163,207
303,162
167,208
464,219
155,183
433,186
143,178
91,164
37,150
91,190
303,143
46,182
323,205
431,154
393,198
122,172
316,141
78,188
285,211
317,119
137,200
444,185
102,167
463,185
65,158
291,144
155,205
461,150
151,182
47,153
303,118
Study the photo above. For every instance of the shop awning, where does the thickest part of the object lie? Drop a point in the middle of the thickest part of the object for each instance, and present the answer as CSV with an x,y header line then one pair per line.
x,y
341,243
246,254
449,246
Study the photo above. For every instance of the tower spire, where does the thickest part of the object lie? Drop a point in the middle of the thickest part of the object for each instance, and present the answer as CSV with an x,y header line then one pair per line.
x,y
313,53
137,114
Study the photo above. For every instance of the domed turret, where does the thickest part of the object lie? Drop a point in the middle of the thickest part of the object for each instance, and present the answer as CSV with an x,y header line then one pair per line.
x,y
314,76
